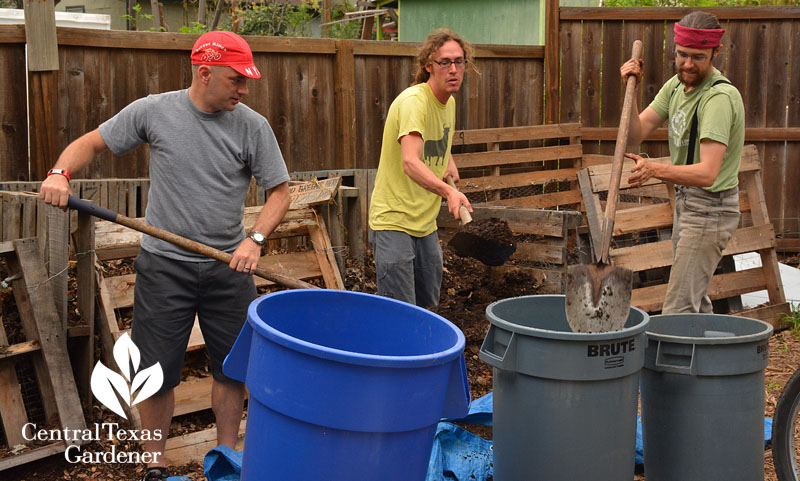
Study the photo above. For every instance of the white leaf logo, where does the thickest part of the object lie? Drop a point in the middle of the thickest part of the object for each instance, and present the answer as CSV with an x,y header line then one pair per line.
x,y
150,380
104,382
109,387
126,353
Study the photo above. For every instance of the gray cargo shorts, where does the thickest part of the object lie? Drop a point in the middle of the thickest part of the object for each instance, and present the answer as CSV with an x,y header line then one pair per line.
x,y
169,294
408,268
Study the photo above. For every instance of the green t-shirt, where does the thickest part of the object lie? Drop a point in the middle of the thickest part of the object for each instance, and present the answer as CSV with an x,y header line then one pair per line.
x,y
399,203
720,115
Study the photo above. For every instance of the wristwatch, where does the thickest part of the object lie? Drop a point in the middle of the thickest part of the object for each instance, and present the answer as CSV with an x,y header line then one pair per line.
x,y
257,237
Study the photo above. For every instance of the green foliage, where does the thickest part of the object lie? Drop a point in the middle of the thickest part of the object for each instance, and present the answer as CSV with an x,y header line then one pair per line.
x,y
138,16
695,3
280,18
195,27
277,19
774,386
10,3
350,29
793,319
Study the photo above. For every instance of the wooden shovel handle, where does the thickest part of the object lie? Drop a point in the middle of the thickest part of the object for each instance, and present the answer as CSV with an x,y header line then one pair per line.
x,y
188,244
619,153
463,213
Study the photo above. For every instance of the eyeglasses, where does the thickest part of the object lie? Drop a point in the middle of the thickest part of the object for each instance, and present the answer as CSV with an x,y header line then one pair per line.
x,y
459,63
696,58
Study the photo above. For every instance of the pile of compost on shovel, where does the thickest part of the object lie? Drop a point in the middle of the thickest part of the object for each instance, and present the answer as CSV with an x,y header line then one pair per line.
x,y
488,240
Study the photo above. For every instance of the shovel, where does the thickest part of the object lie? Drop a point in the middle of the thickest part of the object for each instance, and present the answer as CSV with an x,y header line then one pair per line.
x,y
188,244
598,296
486,240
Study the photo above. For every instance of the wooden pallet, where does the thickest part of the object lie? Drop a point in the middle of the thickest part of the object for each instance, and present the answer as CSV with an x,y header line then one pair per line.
x,y
346,216
755,234
44,349
532,166
514,173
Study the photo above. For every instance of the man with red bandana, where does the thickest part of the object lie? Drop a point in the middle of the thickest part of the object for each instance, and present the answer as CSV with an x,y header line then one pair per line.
x,y
205,147
706,120
409,185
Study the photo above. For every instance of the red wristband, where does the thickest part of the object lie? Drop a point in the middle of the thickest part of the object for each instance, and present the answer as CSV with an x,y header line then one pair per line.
x,y
59,172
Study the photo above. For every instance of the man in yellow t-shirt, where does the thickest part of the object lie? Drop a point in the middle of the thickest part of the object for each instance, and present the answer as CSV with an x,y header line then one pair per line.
x,y
706,134
409,186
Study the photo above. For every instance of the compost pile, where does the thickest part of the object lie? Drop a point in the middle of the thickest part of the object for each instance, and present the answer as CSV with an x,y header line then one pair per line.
x,y
468,287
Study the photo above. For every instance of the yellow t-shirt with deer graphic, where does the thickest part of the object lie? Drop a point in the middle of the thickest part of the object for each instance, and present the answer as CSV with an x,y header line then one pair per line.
x,y
399,203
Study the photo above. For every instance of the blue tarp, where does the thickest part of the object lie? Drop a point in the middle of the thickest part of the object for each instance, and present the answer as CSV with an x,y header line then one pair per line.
x,y
223,464
457,454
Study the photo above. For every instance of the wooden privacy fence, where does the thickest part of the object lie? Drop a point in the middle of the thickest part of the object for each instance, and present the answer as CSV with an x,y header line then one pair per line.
x,y
326,99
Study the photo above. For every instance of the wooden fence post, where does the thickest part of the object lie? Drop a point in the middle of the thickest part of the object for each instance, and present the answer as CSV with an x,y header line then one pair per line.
x,y
552,69
345,104
40,35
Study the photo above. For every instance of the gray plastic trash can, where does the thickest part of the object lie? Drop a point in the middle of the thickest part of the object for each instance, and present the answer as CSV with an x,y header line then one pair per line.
x,y
703,397
564,402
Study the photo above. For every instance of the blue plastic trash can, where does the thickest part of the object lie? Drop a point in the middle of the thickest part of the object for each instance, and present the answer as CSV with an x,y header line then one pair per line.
x,y
345,385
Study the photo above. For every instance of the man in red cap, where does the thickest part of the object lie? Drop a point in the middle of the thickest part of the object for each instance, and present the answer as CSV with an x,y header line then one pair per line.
x,y
205,146
706,135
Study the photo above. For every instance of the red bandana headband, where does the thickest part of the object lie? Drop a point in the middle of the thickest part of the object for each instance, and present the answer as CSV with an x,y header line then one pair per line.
x,y
697,37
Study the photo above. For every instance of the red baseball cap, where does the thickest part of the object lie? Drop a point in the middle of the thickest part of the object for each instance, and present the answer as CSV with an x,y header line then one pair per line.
x,y
225,49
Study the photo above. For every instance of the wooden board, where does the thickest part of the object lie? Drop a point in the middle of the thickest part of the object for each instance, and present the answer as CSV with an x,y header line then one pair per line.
x,y
193,447
40,321
12,409
517,156
525,179
32,455
313,193
659,254
520,220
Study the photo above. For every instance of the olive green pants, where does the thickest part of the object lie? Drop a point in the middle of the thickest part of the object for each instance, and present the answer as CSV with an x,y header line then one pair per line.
x,y
704,223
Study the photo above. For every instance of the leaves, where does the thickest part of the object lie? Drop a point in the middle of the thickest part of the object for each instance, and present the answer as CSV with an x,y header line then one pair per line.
x,y
109,387
125,354
106,384
150,380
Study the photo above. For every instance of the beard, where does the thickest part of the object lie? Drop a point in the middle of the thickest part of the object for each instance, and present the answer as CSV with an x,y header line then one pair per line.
x,y
693,77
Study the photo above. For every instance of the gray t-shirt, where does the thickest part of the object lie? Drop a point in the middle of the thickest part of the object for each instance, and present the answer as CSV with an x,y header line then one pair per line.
x,y
200,167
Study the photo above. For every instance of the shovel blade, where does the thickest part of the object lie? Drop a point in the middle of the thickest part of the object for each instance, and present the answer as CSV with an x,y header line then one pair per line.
x,y
466,244
598,297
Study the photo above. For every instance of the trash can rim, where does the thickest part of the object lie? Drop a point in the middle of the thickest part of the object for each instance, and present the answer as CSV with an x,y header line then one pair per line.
x,y
572,336
736,339
353,357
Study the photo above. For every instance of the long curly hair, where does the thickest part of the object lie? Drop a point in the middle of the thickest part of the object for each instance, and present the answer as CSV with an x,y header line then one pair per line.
x,y
435,40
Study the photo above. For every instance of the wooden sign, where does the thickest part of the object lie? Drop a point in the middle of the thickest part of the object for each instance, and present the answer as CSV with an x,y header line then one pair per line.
x,y
314,192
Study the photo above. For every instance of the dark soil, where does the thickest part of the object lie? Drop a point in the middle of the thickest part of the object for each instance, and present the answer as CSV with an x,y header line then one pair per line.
x,y
490,241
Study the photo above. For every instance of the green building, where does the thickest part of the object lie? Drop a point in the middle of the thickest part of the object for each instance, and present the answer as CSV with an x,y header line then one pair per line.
x,y
510,22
